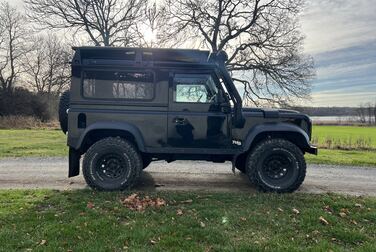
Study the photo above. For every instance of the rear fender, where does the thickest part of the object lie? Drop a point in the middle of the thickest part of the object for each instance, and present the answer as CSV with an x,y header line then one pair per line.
x,y
118,126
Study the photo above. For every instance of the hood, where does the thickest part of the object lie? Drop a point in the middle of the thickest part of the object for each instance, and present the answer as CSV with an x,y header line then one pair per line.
x,y
272,113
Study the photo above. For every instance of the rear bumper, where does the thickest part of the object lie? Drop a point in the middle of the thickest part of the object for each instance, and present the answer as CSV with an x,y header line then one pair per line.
x,y
312,150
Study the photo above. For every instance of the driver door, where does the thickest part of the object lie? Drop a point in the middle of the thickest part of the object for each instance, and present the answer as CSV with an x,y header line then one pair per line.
x,y
195,119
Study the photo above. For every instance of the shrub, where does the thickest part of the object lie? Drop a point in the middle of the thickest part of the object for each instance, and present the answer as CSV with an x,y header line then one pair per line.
x,y
21,102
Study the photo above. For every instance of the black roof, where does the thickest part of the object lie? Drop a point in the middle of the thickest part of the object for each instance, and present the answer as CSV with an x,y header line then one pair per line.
x,y
138,55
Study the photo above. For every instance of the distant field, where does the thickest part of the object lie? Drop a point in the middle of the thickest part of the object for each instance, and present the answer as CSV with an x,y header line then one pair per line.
x,y
47,143
345,137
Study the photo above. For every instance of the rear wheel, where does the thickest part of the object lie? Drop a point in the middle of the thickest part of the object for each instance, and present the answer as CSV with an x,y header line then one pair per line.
x,y
112,164
276,165
63,106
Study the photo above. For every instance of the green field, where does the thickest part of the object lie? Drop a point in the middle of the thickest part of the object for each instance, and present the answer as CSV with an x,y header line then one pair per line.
x,y
19,143
347,137
91,221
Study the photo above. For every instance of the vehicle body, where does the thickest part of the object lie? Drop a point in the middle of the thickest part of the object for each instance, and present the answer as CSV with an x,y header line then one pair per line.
x,y
170,104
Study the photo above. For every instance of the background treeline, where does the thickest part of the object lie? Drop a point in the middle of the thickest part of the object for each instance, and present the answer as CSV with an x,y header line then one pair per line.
x,y
327,111
364,114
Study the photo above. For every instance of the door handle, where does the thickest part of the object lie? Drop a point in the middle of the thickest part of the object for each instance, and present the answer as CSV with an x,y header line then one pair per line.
x,y
180,121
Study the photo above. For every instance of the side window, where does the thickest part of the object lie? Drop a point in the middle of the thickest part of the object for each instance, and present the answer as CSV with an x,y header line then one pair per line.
x,y
118,85
195,89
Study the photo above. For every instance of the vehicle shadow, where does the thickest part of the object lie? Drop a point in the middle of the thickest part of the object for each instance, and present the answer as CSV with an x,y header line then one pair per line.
x,y
180,181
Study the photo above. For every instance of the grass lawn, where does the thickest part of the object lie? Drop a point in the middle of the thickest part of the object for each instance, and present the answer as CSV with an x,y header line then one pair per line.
x,y
92,221
39,142
19,143
343,157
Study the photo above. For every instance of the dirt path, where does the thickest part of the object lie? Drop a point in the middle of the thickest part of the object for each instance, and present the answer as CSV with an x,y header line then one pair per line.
x,y
184,175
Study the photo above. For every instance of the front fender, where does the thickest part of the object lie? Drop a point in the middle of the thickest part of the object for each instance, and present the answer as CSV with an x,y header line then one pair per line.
x,y
113,125
280,128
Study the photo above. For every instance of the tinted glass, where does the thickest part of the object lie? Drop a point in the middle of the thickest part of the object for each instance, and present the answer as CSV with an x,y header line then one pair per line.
x,y
195,89
118,85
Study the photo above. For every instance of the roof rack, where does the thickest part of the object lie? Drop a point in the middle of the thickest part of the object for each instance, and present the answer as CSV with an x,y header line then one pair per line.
x,y
124,55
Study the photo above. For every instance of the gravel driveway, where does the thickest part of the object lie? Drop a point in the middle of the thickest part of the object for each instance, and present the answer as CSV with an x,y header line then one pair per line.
x,y
184,175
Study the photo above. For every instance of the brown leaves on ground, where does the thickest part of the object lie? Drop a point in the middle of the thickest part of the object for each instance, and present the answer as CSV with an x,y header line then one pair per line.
x,y
90,205
137,203
323,220
179,212
295,211
43,242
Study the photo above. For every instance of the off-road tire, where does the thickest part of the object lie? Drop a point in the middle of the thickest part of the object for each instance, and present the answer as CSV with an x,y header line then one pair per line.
x,y
63,106
127,157
259,164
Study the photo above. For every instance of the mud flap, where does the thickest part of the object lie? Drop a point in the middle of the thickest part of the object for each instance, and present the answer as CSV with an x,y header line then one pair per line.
x,y
74,163
233,161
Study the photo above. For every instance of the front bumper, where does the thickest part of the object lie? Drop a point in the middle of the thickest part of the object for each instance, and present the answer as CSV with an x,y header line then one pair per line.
x,y
312,150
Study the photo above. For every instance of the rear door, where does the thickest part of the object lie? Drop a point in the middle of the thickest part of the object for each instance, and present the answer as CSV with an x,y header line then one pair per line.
x,y
195,119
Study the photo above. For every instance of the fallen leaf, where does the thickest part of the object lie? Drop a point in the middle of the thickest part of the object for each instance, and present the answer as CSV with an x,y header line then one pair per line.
x,y
208,249
153,242
316,232
186,201
43,242
323,221
295,211
328,209
342,214
90,205
354,222
202,224
134,202
358,205
179,212
280,209
243,218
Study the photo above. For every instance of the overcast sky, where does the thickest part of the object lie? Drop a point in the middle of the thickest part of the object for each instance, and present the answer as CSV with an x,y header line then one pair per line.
x,y
341,37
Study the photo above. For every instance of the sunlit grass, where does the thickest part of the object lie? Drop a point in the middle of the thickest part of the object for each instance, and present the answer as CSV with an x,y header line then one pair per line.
x,y
92,221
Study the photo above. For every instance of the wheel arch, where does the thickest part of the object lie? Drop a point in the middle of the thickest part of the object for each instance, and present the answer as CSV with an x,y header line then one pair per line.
x,y
102,130
286,131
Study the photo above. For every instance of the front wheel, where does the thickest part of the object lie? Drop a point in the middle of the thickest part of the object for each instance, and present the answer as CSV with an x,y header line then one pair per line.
x,y
112,164
276,165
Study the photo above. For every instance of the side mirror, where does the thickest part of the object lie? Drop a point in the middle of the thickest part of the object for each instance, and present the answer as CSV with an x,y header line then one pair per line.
x,y
225,107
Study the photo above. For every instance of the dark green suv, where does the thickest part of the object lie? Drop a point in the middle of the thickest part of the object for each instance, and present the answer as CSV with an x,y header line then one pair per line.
x,y
127,107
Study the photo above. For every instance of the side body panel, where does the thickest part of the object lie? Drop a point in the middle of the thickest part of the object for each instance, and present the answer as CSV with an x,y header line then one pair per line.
x,y
149,118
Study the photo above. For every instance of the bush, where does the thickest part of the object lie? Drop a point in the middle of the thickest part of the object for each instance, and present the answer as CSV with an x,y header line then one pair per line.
x,y
26,122
21,102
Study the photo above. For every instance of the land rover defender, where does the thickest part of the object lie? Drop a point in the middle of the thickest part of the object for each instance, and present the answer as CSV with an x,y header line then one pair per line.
x,y
128,107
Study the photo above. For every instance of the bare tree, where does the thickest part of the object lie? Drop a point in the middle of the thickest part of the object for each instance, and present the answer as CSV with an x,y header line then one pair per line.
x,y
153,30
106,22
46,68
262,38
12,45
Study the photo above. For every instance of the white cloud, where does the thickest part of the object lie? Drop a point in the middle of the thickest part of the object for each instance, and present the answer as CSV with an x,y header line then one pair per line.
x,y
335,98
332,25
